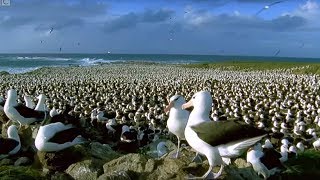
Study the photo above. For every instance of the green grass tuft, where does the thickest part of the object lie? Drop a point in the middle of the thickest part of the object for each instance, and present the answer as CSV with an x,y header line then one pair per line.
x,y
296,67
19,173
307,164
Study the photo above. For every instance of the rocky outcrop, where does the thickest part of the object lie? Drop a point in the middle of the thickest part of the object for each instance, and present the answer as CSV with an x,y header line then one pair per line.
x,y
61,160
23,161
102,151
138,166
86,170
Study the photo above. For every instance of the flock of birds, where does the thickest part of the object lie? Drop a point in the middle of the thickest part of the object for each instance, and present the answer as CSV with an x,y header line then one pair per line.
x,y
273,115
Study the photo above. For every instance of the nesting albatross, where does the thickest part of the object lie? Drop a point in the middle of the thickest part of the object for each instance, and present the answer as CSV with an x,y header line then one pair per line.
x,y
10,145
216,139
19,112
178,118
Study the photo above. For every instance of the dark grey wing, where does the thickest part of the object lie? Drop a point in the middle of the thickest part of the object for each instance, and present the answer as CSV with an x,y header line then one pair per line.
x,y
271,158
277,2
65,136
28,112
223,132
257,13
7,145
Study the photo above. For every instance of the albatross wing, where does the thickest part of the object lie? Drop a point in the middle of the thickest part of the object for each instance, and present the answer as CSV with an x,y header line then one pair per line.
x,y
222,132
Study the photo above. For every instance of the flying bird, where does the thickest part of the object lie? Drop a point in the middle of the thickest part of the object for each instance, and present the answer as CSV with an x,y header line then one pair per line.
x,y
276,54
269,5
51,30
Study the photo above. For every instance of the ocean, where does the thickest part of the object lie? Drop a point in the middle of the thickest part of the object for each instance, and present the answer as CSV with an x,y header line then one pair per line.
x,y
21,63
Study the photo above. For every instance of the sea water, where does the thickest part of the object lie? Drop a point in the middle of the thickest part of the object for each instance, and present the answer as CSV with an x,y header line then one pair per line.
x,y
21,63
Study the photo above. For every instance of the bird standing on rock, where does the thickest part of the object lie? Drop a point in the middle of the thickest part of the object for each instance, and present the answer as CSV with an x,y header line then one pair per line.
x,y
216,139
178,119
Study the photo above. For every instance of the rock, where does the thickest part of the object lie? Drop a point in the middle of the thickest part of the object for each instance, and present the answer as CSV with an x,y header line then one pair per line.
x,y
117,175
22,161
241,163
234,173
102,151
140,166
5,162
168,168
25,134
3,118
34,129
60,176
134,163
61,160
86,170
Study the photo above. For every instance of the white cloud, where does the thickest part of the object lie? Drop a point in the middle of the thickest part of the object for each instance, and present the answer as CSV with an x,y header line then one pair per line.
x,y
310,6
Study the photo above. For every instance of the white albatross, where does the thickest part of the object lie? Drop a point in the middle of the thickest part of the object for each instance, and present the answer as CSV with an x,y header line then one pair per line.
x,y
216,139
54,137
178,119
19,112
29,103
265,163
12,144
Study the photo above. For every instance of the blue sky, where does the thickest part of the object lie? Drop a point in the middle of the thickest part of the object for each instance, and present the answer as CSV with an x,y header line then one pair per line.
x,y
225,27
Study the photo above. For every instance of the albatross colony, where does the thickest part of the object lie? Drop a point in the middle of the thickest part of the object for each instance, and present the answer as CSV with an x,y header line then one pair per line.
x,y
282,103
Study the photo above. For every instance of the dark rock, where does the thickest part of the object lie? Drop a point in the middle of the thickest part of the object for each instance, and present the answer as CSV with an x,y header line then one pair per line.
x,y
60,176
61,160
102,151
23,161
117,175
86,170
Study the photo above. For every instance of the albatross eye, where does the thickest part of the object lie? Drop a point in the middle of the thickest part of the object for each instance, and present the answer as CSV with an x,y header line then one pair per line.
x,y
176,98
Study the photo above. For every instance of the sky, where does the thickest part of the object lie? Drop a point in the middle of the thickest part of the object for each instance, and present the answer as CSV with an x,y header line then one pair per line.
x,y
212,27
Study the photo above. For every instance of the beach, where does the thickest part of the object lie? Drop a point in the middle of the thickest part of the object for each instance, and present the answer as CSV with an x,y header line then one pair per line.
x,y
143,89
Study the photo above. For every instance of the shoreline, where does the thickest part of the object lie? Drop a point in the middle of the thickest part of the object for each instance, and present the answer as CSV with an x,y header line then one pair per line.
x,y
298,67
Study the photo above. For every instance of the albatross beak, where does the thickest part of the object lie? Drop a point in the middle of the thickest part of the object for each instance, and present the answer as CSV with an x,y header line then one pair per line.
x,y
187,105
167,109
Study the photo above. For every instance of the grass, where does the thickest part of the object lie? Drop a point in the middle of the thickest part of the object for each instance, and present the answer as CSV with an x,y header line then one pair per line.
x,y
19,173
297,67
307,164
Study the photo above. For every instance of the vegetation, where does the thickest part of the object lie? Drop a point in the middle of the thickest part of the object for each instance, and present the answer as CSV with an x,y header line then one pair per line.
x,y
296,67
306,165
19,173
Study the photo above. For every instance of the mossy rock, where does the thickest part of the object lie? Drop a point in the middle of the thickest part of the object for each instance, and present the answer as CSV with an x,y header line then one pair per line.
x,y
86,170
61,160
17,173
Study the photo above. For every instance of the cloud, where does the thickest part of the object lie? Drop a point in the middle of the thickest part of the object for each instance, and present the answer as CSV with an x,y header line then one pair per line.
x,y
132,19
205,19
58,13
288,22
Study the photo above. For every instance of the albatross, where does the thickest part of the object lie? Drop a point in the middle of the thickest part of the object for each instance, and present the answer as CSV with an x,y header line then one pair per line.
x,y
216,139
264,161
10,145
19,112
178,118
58,133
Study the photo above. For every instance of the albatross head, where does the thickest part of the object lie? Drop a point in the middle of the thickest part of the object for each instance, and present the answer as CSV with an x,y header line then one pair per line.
x,y
176,102
12,97
201,101
13,132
